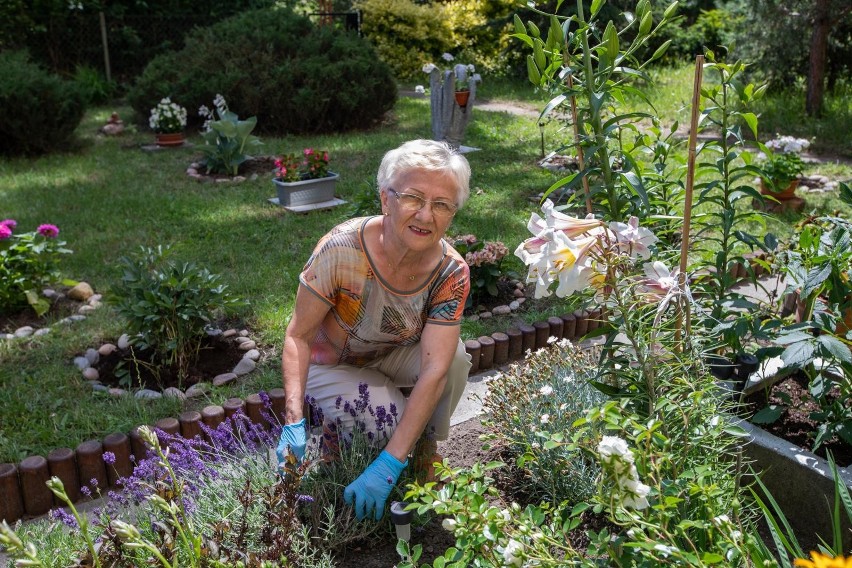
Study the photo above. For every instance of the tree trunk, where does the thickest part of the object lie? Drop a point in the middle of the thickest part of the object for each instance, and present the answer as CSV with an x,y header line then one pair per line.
x,y
819,48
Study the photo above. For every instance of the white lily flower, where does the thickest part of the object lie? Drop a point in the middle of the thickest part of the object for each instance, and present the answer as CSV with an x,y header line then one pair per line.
x,y
633,238
658,279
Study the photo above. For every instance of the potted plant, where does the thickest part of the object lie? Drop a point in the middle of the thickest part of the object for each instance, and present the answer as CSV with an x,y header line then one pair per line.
x,y
168,120
305,180
783,166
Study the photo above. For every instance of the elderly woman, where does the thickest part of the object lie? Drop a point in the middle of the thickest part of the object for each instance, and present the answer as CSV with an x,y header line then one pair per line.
x,y
379,304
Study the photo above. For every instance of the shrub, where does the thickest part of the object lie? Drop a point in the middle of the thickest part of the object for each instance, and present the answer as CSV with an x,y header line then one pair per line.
x,y
302,79
485,259
168,305
28,262
40,110
96,89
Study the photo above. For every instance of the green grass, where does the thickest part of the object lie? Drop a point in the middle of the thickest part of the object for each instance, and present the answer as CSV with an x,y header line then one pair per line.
x,y
109,197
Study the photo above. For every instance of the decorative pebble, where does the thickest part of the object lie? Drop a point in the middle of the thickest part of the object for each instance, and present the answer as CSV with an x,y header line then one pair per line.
x,y
239,340
48,292
196,390
224,379
65,321
485,315
77,317
474,317
244,367
81,292
106,349
521,300
96,304
117,392
87,309
42,331
518,293
123,341
213,332
519,285
97,387
96,298
91,374
243,333
229,333
247,346
25,331
501,310
252,354
147,394
93,356
514,305
173,392
82,363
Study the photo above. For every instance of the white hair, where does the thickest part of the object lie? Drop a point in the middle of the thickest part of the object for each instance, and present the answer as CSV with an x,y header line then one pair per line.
x,y
426,155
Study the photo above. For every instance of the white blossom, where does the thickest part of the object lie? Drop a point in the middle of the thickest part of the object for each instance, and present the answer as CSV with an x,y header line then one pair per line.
x,y
665,550
429,67
633,238
614,446
721,520
546,390
449,524
512,552
545,418
420,89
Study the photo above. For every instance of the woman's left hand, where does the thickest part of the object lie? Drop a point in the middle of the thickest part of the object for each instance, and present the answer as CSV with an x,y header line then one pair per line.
x,y
372,488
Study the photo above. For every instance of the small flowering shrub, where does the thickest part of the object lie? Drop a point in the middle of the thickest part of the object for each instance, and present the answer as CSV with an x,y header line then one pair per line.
x,y
227,139
538,398
313,165
464,74
167,117
168,305
485,260
28,263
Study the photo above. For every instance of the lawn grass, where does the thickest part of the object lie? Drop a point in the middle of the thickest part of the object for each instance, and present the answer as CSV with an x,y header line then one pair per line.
x,y
109,198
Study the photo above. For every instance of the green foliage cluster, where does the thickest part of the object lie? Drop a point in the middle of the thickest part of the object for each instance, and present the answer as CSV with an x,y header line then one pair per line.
x,y
228,140
782,168
40,110
169,305
276,66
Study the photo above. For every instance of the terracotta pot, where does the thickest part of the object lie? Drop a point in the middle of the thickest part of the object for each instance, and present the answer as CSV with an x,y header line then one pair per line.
x,y
785,195
170,138
462,98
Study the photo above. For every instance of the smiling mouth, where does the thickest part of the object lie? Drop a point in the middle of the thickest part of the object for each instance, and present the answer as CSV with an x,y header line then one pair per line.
x,y
419,231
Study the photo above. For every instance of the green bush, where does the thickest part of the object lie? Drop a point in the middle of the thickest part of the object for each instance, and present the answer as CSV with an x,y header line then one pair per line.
x,y
276,66
40,110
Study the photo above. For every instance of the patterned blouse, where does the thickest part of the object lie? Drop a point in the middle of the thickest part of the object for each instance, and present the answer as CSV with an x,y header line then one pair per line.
x,y
369,317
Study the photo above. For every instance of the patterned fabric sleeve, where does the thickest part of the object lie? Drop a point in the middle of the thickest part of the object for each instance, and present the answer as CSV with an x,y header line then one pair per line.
x,y
320,272
448,296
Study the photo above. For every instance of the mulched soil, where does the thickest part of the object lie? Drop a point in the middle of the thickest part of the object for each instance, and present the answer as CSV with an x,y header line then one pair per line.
x,y
59,309
795,424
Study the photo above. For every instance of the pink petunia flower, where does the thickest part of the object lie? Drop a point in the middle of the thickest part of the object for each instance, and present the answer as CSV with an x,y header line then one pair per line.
x,y
5,232
309,151
11,223
48,230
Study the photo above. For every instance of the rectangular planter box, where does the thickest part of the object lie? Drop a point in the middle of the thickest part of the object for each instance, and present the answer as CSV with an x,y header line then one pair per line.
x,y
294,193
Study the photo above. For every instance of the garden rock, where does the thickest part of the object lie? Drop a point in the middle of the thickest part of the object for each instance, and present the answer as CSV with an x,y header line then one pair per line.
x,y
117,392
252,354
48,293
518,293
42,331
81,292
173,392
241,339
514,305
77,317
501,310
247,346
82,363
224,379
91,374
106,349
485,315
98,387
123,341
243,333
148,394
229,333
87,309
25,331
474,317
196,390
244,367
93,356
95,299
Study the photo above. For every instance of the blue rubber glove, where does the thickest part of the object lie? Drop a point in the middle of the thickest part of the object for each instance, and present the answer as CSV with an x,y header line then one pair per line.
x,y
371,489
294,437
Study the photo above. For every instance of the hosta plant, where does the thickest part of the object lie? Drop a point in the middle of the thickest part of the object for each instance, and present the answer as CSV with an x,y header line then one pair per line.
x,y
228,141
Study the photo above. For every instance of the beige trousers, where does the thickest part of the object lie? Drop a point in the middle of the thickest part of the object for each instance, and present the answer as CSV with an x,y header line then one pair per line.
x,y
337,391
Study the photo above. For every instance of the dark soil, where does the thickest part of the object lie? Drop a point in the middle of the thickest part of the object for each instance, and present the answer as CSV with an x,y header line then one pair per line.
x,y
795,424
59,309
136,368
260,166
484,301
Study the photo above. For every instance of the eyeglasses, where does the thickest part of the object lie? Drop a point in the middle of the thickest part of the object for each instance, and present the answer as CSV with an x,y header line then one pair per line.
x,y
411,202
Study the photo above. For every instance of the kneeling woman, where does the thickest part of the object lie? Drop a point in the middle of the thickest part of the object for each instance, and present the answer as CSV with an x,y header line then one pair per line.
x,y
379,304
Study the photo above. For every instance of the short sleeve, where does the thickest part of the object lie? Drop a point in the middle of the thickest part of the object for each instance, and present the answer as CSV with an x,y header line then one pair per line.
x,y
448,297
318,274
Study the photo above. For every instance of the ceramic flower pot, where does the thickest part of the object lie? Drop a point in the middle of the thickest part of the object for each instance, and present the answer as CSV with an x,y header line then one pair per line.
x,y
306,192
786,194
462,98
170,138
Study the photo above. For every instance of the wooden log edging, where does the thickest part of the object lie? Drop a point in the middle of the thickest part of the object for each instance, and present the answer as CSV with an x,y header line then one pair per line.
x,y
23,493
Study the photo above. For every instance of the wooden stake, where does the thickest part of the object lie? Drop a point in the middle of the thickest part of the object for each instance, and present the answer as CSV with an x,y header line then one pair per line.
x,y
690,179
580,159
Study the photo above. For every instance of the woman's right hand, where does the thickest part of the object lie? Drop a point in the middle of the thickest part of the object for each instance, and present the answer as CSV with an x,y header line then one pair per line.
x,y
293,439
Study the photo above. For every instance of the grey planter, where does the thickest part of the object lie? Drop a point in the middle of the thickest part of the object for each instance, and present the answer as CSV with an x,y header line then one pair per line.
x,y
306,192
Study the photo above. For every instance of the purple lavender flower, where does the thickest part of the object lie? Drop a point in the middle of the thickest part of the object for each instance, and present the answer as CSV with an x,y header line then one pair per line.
x,y
48,230
64,517
93,483
85,491
305,499
338,401
109,458
393,410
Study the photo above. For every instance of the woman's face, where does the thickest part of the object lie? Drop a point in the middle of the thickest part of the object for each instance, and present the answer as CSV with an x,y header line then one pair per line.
x,y
419,230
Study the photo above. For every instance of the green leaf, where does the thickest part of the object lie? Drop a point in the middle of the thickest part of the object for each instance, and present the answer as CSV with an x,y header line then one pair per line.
x,y
520,29
769,414
596,7
712,558
798,354
837,348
